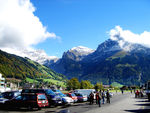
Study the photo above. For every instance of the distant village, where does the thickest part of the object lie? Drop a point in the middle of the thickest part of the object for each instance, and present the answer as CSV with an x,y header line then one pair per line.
x,y
6,85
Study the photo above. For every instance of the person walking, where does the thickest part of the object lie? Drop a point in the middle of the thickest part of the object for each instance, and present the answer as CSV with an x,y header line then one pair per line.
x,y
137,94
103,96
122,91
108,96
91,98
99,98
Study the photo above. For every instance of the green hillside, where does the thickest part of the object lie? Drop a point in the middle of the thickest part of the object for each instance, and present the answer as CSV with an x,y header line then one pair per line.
x,y
126,69
12,66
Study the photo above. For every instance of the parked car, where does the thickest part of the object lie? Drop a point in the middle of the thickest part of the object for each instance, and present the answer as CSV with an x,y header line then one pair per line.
x,y
10,94
81,97
73,96
6,96
53,99
65,99
86,92
2,101
28,100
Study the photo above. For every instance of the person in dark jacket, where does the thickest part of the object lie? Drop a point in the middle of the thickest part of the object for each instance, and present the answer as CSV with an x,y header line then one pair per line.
x,y
108,96
99,98
103,96
91,98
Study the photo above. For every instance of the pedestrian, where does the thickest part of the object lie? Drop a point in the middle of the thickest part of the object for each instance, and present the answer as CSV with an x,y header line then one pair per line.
x,y
108,96
99,98
122,91
137,93
103,96
91,97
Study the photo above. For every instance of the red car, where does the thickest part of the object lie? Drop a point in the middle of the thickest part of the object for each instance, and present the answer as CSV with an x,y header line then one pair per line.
x,y
29,100
73,96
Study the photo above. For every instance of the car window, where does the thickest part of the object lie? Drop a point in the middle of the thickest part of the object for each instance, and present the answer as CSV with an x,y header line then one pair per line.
x,y
28,97
16,94
18,97
78,94
61,94
1,96
25,91
72,94
41,97
8,95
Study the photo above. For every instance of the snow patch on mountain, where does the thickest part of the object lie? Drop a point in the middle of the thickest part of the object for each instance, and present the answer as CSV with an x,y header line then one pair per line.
x,y
82,50
39,56
36,55
77,53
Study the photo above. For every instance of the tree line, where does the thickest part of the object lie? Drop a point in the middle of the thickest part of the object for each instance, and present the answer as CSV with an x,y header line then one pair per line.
x,y
74,83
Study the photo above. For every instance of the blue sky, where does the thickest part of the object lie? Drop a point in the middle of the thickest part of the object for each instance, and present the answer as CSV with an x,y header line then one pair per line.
x,y
77,22
86,22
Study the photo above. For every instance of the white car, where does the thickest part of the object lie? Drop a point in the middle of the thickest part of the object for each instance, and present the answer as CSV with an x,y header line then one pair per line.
x,y
65,99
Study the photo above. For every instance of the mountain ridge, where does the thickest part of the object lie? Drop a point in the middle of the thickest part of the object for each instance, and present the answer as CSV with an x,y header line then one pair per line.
x,y
112,61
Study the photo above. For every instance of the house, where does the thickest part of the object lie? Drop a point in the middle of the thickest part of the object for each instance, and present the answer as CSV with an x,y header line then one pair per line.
x,y
2,83
3,87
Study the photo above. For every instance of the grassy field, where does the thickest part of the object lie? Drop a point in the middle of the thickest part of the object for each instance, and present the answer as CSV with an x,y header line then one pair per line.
x,y
60,83
52,81
31,80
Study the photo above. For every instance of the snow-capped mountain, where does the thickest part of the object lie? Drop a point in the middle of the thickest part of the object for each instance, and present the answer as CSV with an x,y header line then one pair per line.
x,y
36,55
39,56
77,53
81,50
113,60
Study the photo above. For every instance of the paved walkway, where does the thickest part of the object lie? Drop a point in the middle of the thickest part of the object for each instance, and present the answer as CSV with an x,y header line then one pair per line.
x,y
127,105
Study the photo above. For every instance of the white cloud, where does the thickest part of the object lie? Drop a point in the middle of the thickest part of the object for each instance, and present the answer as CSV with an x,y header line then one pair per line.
x,y
122,36
19,27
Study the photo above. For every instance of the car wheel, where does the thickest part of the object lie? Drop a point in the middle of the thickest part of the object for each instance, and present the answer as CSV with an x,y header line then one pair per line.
x,y
39,108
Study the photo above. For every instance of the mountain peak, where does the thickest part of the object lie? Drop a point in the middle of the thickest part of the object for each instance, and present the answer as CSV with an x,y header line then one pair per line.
x,y
82,49
77,53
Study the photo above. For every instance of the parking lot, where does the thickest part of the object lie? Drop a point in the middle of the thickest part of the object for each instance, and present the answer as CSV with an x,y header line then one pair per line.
x,y
125,103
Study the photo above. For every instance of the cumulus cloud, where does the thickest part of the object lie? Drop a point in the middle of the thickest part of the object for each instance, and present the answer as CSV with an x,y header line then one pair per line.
x,y
122,36
19,27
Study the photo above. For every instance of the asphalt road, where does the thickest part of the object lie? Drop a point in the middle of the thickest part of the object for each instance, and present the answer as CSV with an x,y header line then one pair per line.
x,y
125,103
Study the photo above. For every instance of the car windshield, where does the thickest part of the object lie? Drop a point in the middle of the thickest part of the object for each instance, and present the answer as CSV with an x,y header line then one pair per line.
x,y
41,97
61,94
78,94
18,97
